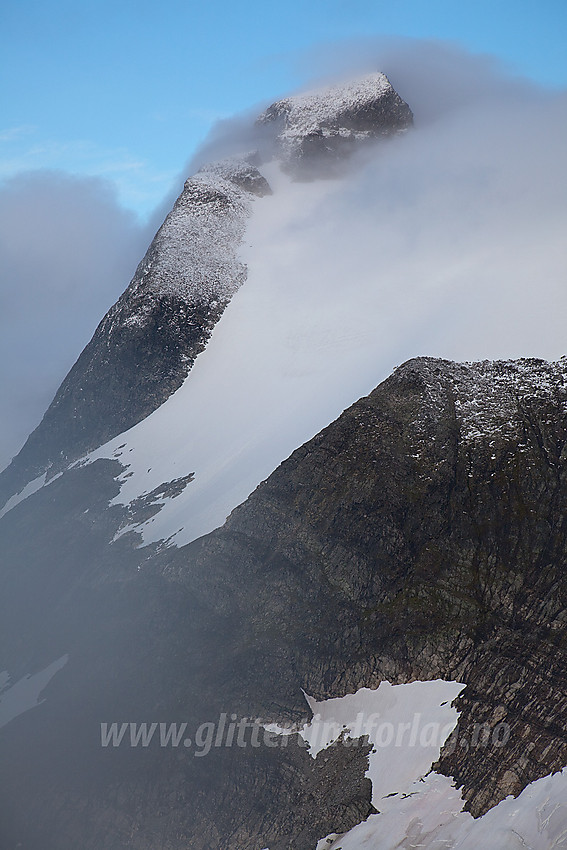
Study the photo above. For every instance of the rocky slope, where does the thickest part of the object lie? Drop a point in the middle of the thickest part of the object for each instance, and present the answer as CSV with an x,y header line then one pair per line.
x,y
421,535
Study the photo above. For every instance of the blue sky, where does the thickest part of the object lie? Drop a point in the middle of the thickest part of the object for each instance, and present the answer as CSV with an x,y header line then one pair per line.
x,y
127,90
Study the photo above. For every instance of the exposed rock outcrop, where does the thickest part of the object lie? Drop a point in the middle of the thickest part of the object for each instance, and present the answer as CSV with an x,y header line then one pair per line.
x,y
148,341
318,130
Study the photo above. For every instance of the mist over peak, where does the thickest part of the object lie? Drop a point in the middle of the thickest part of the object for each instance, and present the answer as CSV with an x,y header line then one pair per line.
x,y
434,77
462,213
237,507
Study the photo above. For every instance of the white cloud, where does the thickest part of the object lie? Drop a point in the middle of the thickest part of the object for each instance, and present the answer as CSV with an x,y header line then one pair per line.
x,y
448,241
10,134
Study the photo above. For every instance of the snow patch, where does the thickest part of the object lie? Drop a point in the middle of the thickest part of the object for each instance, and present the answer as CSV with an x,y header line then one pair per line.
x,y
418,808
407,724
30,488
432,818
24,694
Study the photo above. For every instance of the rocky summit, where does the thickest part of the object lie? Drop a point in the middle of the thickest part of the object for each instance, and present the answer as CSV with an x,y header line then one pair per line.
x,y
317,130
158,695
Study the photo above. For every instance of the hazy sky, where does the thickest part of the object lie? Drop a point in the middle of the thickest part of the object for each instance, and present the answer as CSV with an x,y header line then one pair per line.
x,y
126,90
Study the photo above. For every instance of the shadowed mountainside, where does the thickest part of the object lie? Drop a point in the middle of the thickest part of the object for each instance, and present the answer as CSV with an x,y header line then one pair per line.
x,y
421,535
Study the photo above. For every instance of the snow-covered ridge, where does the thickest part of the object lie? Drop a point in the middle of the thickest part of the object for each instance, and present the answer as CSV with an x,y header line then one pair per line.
x,y
316,326
489,395
194,253
149,339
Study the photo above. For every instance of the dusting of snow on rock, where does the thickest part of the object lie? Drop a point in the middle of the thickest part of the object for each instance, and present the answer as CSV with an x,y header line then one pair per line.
x,y
489,396
195,252
240,171
351,111
324,109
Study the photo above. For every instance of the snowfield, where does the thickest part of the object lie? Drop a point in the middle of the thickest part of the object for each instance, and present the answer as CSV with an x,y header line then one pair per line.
x,y
408,724
429,245
431,817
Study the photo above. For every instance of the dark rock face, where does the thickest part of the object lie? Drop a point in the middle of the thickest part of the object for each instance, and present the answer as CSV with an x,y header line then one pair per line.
x,y
421,535
432,514
124,373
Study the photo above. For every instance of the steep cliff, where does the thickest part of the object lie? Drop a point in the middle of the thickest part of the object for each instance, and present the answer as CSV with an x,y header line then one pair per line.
x,y
420,536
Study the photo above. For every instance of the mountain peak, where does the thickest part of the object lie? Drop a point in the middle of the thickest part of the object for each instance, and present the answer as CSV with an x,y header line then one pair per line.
x,y
327,123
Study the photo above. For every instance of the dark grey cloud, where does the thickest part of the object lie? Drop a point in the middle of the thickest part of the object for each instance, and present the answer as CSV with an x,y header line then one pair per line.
x,y
67,251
